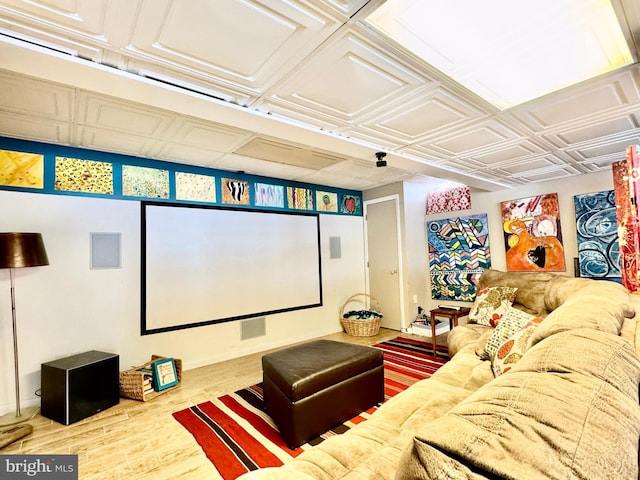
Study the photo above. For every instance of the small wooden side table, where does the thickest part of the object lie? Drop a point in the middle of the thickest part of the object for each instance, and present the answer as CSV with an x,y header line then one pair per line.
x,y
451,314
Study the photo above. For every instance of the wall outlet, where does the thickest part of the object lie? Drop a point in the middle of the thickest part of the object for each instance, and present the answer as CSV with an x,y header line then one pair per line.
x,y
415,299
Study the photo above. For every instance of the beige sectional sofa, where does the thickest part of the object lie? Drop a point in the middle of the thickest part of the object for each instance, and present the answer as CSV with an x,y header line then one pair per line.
x,y
567,409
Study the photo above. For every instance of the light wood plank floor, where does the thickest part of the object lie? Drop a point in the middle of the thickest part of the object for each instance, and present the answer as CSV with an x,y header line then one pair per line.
x,y
141,440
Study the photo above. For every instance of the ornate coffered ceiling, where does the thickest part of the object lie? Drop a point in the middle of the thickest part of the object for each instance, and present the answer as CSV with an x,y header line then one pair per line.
x,y
298,89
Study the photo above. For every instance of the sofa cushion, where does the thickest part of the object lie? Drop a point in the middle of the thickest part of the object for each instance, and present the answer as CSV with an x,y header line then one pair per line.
x,y
490,305
560,288
512,322
513,348
531,287
568,409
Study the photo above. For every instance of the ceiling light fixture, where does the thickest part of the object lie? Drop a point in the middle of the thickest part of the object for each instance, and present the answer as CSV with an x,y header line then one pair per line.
x,y
509,52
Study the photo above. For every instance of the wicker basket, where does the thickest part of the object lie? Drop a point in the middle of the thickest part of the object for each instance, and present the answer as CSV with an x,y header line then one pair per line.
x,y
131,381
364,327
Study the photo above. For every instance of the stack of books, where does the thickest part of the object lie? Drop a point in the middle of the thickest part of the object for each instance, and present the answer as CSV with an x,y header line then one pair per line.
x,y
147,383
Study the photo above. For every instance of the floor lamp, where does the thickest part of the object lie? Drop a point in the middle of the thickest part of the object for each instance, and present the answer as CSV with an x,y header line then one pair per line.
x,y
20,250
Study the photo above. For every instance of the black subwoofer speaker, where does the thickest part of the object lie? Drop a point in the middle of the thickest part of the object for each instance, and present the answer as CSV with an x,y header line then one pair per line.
x,y
79,386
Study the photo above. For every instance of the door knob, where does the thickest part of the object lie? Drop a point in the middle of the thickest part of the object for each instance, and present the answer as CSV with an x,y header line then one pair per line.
x,y
393,272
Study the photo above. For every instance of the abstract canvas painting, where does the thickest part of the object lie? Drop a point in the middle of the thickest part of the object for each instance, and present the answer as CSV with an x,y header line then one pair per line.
x,y
145,182
532,234
597,235
89,176
20,169
449,200
267,195
626,186
235,191
299,198
326,201
458,254
351,204
198,188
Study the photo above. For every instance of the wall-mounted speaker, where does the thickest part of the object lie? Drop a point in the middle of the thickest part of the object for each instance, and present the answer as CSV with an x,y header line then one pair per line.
x,y
105,250
335,247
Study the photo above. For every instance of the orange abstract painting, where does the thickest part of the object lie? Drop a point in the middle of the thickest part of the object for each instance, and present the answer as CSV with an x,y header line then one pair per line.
x,y
533,238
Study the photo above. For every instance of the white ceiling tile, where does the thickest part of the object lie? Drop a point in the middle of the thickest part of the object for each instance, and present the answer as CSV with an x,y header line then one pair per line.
x,y
596,130
606,148
20,94
586,100
26,127
346,79
244,42
509,153
422,115
188,154
480,136
111,114
529,166
99,139
551,174
198,134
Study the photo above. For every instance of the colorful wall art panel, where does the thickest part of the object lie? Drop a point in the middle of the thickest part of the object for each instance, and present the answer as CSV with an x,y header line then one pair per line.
x,y
194,187
88,176
532,234
20,169
62,170
351,204
597,235
326,201
145,182
625,185
449,200
299,198
458,254
267,195
235,192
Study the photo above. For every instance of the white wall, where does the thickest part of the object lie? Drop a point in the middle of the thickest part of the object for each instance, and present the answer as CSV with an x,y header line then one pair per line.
x,y
67,308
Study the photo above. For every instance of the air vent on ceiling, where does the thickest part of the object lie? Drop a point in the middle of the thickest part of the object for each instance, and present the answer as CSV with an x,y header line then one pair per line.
x,y
288,154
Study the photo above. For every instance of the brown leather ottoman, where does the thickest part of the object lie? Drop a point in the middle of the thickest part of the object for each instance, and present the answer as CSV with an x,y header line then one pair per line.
x,y
312,387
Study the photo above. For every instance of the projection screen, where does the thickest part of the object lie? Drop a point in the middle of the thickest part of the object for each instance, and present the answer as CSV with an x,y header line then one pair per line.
x,y
204,265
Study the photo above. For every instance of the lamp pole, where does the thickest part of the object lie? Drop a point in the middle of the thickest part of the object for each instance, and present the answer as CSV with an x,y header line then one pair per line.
x,y
19,250
12,274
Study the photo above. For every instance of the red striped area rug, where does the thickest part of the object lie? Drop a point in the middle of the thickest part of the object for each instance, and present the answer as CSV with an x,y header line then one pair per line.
x,y
237,435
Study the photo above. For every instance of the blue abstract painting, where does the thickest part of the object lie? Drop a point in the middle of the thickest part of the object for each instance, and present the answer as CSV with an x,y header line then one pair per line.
x,y
597,233
458,250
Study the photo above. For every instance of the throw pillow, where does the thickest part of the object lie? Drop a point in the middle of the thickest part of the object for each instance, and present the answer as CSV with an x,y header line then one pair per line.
x,y
513,348
512,321
490,305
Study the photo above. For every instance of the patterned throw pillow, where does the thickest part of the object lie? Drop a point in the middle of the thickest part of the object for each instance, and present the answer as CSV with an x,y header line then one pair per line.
x,y
513,348
512,321
490,305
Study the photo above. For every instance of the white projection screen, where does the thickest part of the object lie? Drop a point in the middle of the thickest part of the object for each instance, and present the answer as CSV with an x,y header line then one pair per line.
x,y
204,265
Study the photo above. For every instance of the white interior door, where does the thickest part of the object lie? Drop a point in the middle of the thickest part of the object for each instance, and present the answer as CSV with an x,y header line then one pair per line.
x,y
384,261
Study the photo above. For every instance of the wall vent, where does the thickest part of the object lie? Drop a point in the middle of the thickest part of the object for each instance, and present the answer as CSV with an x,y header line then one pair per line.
x,y
252,328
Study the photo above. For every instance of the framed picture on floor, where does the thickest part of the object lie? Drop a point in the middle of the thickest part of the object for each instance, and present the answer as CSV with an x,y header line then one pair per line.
x,y
164,374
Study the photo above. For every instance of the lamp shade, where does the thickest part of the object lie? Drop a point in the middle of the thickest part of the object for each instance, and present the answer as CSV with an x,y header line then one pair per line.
x,y
22,250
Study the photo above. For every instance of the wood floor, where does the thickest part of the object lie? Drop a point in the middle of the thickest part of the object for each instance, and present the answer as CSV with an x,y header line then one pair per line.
x,y
141,440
